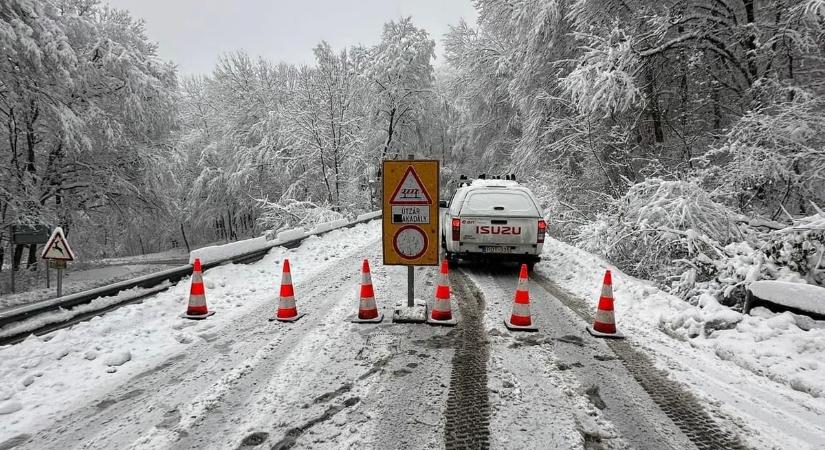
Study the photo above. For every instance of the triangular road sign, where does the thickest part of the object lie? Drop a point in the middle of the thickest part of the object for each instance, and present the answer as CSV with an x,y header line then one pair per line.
x,y
58,247
410,191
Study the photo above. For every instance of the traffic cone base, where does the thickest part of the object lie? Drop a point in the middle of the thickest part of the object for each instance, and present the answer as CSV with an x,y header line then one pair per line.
x,y
356,319
616,335
510,326
287,319
451,322
197,316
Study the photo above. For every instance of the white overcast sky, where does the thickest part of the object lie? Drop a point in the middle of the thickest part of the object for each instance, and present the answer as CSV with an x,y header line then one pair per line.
x,y
193,33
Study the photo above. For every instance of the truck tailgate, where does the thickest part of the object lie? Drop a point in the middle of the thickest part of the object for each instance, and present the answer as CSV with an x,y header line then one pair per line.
x,y
499,230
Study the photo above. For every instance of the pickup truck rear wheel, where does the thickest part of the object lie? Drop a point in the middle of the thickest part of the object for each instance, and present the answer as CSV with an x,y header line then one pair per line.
x,y
452,261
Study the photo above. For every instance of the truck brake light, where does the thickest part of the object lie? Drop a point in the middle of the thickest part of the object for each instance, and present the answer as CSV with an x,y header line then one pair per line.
x,y
456,229
541,232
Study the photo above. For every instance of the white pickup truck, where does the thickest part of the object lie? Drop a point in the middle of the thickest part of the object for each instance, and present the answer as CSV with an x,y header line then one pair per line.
x,y
493,219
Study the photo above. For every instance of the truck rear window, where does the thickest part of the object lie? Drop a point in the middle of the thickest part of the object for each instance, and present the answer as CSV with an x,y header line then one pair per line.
x,y
499,204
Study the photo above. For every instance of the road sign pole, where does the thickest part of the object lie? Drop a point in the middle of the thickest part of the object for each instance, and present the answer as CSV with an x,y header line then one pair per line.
x,y
410,286
48,278
411,274
59,282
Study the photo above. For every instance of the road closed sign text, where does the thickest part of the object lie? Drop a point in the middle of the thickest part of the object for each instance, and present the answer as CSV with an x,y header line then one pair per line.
x,y
410,212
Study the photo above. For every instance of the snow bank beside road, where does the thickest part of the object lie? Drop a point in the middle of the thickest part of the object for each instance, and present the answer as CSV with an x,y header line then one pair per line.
x,y
218,252
762,373
767,344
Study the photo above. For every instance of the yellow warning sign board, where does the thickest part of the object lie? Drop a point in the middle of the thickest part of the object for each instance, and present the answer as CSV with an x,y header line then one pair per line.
x,y
410,212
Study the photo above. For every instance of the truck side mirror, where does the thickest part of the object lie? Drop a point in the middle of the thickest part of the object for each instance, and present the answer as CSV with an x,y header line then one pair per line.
x,y
443,204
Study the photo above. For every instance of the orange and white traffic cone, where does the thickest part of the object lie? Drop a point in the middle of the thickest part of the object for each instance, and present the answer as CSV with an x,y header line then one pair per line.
x,y
520,318
287,311
367,311
442,312
604,322
196,308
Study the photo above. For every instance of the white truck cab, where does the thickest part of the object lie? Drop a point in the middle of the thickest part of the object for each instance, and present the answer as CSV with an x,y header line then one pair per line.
x,y
493,219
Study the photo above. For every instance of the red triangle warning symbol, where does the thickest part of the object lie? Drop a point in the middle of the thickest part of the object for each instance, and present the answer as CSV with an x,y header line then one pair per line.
x,y
410,191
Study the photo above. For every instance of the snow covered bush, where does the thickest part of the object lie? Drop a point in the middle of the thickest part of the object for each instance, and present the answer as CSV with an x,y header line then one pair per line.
x,y
658,227
800,248
672,232
792,254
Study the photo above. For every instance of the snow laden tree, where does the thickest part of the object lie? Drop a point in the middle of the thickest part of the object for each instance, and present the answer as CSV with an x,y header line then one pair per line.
x,y
229,144
772,159
400,75
590,97
87,106
275,145
488,125
322,127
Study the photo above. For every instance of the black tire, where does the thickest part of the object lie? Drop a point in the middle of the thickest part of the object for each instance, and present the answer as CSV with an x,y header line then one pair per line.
x,y
452,261
530,265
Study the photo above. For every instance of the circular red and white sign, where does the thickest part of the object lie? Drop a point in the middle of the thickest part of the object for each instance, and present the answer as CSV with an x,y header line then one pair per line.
x,y
410,242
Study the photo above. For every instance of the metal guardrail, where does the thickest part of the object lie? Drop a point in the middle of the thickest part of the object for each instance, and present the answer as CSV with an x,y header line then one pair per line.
x,y
19,313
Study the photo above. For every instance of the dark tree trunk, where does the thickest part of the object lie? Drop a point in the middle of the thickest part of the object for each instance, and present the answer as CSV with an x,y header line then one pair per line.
x,y
653,110
185,241
389,135
18,255
750,40
32,257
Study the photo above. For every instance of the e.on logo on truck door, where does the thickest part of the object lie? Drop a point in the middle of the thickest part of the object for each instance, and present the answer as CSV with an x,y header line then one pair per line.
x,y
497,229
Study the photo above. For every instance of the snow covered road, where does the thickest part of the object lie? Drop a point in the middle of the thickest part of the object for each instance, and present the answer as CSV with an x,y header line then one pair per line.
x,y
560,384
141,377
239,378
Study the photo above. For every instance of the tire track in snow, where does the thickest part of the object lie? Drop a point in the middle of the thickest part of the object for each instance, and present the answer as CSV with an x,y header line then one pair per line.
x,y
468,405
596,397
680,405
